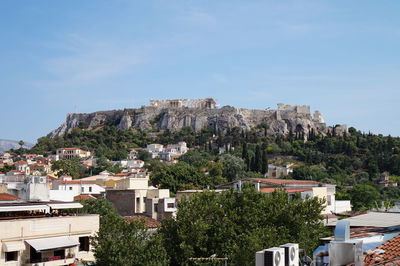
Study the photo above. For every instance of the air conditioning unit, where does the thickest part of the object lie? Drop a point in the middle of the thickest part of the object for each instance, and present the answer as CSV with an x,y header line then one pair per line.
x,y
291,254
270,257
343,253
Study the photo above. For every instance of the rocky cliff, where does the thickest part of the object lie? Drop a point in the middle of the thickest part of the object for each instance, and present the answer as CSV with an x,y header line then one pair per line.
x,y
281,121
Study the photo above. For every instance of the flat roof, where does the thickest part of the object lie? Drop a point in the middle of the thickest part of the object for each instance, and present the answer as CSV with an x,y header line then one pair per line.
x,y
375,219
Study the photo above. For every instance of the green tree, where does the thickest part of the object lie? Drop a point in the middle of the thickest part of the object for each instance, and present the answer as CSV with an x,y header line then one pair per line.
x,y
21,143
179,176
237,224
364,196
119,242
128,243
70,167
232,166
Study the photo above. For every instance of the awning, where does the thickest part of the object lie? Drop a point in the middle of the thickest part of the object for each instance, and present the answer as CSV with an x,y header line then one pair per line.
x,y
17,208
69,205
50,243
13,246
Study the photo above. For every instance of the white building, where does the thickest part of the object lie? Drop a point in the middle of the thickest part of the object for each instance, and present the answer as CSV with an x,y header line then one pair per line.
x,y
78,187
30,237
275,171
69,153
31,188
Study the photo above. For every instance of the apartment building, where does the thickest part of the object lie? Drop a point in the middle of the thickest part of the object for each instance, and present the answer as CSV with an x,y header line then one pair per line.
x,y
69,153
37,234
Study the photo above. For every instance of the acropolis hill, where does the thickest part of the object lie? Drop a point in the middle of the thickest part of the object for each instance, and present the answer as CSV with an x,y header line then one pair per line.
x,y
202,113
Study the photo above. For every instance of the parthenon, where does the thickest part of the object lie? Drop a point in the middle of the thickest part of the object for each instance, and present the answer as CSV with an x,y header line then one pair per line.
x,y
208,103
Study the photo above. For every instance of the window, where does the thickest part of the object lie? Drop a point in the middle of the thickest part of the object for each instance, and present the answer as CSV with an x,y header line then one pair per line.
x,y
170,205
12,256
156,207
90,189
329,200
70,188
82,189
84,243
60,253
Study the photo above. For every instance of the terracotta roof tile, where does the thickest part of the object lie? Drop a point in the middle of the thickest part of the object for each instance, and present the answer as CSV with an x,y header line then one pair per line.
x,y
83,197
283,181
388,253
148,222
7,197
71,182
272,189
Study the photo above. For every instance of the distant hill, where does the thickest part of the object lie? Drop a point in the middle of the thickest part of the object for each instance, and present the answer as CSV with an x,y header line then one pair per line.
x,y
6,145
173,115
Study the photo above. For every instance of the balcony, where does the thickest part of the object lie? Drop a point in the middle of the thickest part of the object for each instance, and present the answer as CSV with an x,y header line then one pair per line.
x,y
51,261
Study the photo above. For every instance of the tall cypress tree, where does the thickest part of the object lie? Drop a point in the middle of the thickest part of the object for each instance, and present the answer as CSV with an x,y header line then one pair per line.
x,y
264,163
245,153
257,159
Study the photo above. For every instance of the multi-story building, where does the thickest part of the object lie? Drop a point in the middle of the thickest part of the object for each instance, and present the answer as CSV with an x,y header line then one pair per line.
x,y
275,171
69,153
36,234
78,187
130,195
306,188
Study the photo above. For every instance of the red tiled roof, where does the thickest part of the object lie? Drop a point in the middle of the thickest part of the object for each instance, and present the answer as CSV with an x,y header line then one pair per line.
x,y
283,181
148,222
267,189
122,174
7,197
83,197
21,162
298,190
71,182
272,189
386,254
68,149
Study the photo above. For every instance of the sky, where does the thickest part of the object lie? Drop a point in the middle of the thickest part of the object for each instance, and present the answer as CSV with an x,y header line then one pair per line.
x,y
57,57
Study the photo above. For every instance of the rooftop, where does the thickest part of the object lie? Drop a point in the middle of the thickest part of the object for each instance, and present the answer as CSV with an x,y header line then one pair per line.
x,y
8,197
386,254
83,197
148,222
374,219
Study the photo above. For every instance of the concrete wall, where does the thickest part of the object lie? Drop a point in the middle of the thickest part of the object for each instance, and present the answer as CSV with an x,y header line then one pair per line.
x,y
123,200
76,189
61,195
342,206
20,230
158,193
133,183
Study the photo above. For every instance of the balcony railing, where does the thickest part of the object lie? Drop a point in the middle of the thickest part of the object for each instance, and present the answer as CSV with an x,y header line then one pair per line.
x,y
52,258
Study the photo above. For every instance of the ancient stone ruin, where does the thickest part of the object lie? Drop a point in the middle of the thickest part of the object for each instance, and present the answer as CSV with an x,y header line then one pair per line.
x,y
208,103
198,114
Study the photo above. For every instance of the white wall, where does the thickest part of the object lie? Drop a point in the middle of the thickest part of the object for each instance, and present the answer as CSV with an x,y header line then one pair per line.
x,y
342,206
61,195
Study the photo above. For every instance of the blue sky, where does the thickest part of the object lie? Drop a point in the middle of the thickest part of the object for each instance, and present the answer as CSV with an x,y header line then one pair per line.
x,y
58,57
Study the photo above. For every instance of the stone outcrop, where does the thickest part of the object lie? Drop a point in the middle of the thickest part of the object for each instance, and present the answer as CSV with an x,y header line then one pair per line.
x,y
284,119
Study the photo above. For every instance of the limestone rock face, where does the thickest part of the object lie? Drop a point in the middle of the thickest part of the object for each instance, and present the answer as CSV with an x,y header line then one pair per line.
x,y
126,121
281,121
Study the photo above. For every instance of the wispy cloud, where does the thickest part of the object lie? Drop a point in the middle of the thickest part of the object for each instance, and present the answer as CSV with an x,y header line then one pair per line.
x,y
85,61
